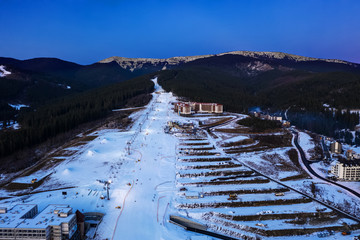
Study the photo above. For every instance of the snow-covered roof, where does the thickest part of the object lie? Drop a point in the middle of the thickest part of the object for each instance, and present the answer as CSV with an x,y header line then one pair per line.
x,y
350,163
13,217
50,216
54,214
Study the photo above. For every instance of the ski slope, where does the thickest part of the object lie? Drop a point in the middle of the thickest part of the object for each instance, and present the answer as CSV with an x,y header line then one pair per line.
x,y
144,166
142,183
152,178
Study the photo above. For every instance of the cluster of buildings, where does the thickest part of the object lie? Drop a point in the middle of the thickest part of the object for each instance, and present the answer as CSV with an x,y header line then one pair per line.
x,y
345,170
187,108
180,127
55,222
270,117
352,155
266,116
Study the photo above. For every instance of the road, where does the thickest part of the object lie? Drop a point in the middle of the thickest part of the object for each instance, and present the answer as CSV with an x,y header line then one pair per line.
x,y
309,168
300,192
291,188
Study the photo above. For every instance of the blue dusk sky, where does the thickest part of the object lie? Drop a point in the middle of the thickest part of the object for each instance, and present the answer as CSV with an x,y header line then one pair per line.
x,y
86,31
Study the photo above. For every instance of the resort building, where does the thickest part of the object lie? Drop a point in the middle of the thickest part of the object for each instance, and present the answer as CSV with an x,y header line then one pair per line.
x,y
195,107
336,147
23,221
183,108
347,170
266,116
352,155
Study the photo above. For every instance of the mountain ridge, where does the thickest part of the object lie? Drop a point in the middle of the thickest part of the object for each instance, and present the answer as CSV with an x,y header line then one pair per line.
x,y
136,63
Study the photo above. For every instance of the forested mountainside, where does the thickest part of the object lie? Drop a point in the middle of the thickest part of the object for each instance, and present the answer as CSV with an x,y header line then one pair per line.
x,y
308,88
36,81
66,113
241,83
271,83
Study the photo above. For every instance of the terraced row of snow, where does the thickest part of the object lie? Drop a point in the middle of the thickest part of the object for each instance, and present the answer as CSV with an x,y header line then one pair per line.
x,y
203,193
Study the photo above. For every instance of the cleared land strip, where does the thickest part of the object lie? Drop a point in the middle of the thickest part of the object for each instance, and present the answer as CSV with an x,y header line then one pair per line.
x,y
275,232
219,159
219,173
212,167
251,181
246,203
310,215
314,199
246,191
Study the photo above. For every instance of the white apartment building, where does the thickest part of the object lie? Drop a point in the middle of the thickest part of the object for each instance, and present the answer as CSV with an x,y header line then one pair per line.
x,y
347,170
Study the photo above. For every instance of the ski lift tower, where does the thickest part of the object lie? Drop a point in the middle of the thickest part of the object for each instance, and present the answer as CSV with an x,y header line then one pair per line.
x,y
106,185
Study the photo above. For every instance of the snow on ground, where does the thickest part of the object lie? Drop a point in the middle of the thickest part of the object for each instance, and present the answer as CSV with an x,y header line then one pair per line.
x,y
11,124
320,168
146,183
235,139
16,125
346,147
142,183
306,143
199,213
329,192
126,109
232,124
18,106
3,71
352,185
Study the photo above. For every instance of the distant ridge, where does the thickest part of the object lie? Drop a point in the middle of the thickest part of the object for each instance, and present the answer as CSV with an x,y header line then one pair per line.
x,y
137,63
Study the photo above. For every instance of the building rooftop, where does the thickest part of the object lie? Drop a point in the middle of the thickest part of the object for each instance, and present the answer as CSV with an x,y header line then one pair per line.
x,y
203,103
13,217
52,215
350,163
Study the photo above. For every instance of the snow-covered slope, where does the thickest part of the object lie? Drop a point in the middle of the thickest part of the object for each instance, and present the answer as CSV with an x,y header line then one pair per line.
x,y
142,183
146,181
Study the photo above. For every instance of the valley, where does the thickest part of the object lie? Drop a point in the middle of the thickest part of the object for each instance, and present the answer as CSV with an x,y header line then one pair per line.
x,y
206,168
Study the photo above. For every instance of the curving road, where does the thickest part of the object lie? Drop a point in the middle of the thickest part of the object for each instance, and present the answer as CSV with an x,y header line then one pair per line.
x,y
309,168
355,218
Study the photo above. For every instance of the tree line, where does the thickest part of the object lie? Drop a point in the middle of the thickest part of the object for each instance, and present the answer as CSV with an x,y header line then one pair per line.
x,y
326,122
306,96
59,116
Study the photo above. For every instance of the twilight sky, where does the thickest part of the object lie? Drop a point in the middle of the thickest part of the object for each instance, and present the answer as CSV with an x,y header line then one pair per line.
x,y
86,31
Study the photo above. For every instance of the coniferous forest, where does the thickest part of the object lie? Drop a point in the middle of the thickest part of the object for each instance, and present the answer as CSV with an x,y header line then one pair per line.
x,y
274,92
302,88
61,115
